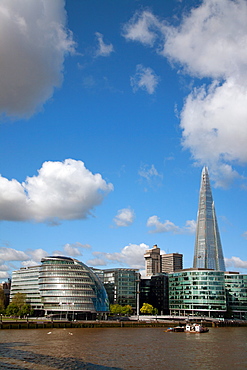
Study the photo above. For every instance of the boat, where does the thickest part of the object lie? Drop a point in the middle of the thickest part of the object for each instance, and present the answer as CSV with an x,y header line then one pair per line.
x,y
195,329
175,329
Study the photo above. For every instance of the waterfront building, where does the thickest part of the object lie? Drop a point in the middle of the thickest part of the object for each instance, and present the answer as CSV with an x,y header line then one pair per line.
x,y
152,261
154,290
121,286
236,295
162,263
61,287
171,262
208,250
197,292
26,280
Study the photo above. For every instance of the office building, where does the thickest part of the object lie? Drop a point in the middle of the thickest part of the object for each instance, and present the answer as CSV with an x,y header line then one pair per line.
x,y
26,281
198,292
152,261
162,263
121,286
236,295
61,287
208,250
154,290
171,262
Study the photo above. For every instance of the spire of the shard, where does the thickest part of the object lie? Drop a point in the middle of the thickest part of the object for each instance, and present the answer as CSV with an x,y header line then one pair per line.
x,y
208,249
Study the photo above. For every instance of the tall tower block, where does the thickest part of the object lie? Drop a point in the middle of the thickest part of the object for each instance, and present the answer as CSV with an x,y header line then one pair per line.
x,y
208,250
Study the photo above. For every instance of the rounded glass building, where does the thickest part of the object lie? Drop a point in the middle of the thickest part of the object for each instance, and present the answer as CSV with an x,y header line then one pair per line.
x,y
70,289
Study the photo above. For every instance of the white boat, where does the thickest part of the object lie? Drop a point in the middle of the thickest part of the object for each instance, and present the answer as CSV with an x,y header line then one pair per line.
x,y
195,329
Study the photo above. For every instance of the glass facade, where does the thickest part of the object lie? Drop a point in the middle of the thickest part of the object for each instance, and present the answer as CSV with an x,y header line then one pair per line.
x,y
197,291
61,285
26,280
208,250
236,295
120,285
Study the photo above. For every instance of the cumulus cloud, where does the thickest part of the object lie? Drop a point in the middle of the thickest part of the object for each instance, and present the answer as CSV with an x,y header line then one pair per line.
x,y
124,217
61,191
35,256
143,27
168,226
74,249
210,42
131,255
144,79
34,42
10,254
235,262
103,50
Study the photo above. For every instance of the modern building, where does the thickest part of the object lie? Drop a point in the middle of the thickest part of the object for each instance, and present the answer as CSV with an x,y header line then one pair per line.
x,y
26,280
162,263
61,287
171,262
198,292
154,290
152,261
121,286
208,250
236,295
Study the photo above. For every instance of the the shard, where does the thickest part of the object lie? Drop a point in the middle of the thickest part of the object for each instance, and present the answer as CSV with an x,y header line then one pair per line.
x,y
208,250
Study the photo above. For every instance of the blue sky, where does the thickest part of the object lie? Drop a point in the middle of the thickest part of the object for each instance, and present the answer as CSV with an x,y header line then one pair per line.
x,y
109,110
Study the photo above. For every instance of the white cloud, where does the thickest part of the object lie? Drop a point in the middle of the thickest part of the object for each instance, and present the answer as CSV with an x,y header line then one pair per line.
x,y
61,191
74,249
10,254
33,44
36,254
210,42
131,255
169,226
143,27
124,217
235,262
144,79
149,172
103,50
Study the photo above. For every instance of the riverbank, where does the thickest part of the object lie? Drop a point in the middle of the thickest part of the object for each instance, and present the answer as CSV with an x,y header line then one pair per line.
x,y
39,324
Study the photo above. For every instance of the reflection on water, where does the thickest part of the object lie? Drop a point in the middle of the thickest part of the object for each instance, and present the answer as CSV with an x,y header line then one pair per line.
x,y
122,348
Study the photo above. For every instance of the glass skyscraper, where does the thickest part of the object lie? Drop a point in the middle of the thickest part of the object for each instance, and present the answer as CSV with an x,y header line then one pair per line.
x,y
208,250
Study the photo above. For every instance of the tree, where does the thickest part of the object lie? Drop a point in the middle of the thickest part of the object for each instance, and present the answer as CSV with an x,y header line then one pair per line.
x,y
12,310
117,309
127,310
148,309
18,306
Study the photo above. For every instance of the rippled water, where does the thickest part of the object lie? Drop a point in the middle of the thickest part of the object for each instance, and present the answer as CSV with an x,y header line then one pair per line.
x,y
122,348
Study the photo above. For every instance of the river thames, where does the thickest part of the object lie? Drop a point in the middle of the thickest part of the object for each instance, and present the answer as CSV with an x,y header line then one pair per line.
x,y
122,348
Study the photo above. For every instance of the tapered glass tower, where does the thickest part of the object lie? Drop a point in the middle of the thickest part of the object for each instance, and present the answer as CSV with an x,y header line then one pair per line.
x,y
208,250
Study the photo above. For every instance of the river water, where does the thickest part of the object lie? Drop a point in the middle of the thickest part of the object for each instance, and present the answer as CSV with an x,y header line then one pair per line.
x,y
122,348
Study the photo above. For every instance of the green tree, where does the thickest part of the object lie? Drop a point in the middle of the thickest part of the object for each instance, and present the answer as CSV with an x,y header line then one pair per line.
x,y
25,310
127,310
19,299
18,306
148,309
117,309
12,310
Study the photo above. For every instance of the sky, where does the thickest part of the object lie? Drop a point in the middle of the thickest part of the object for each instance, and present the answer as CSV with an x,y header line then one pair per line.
x,y
108,112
